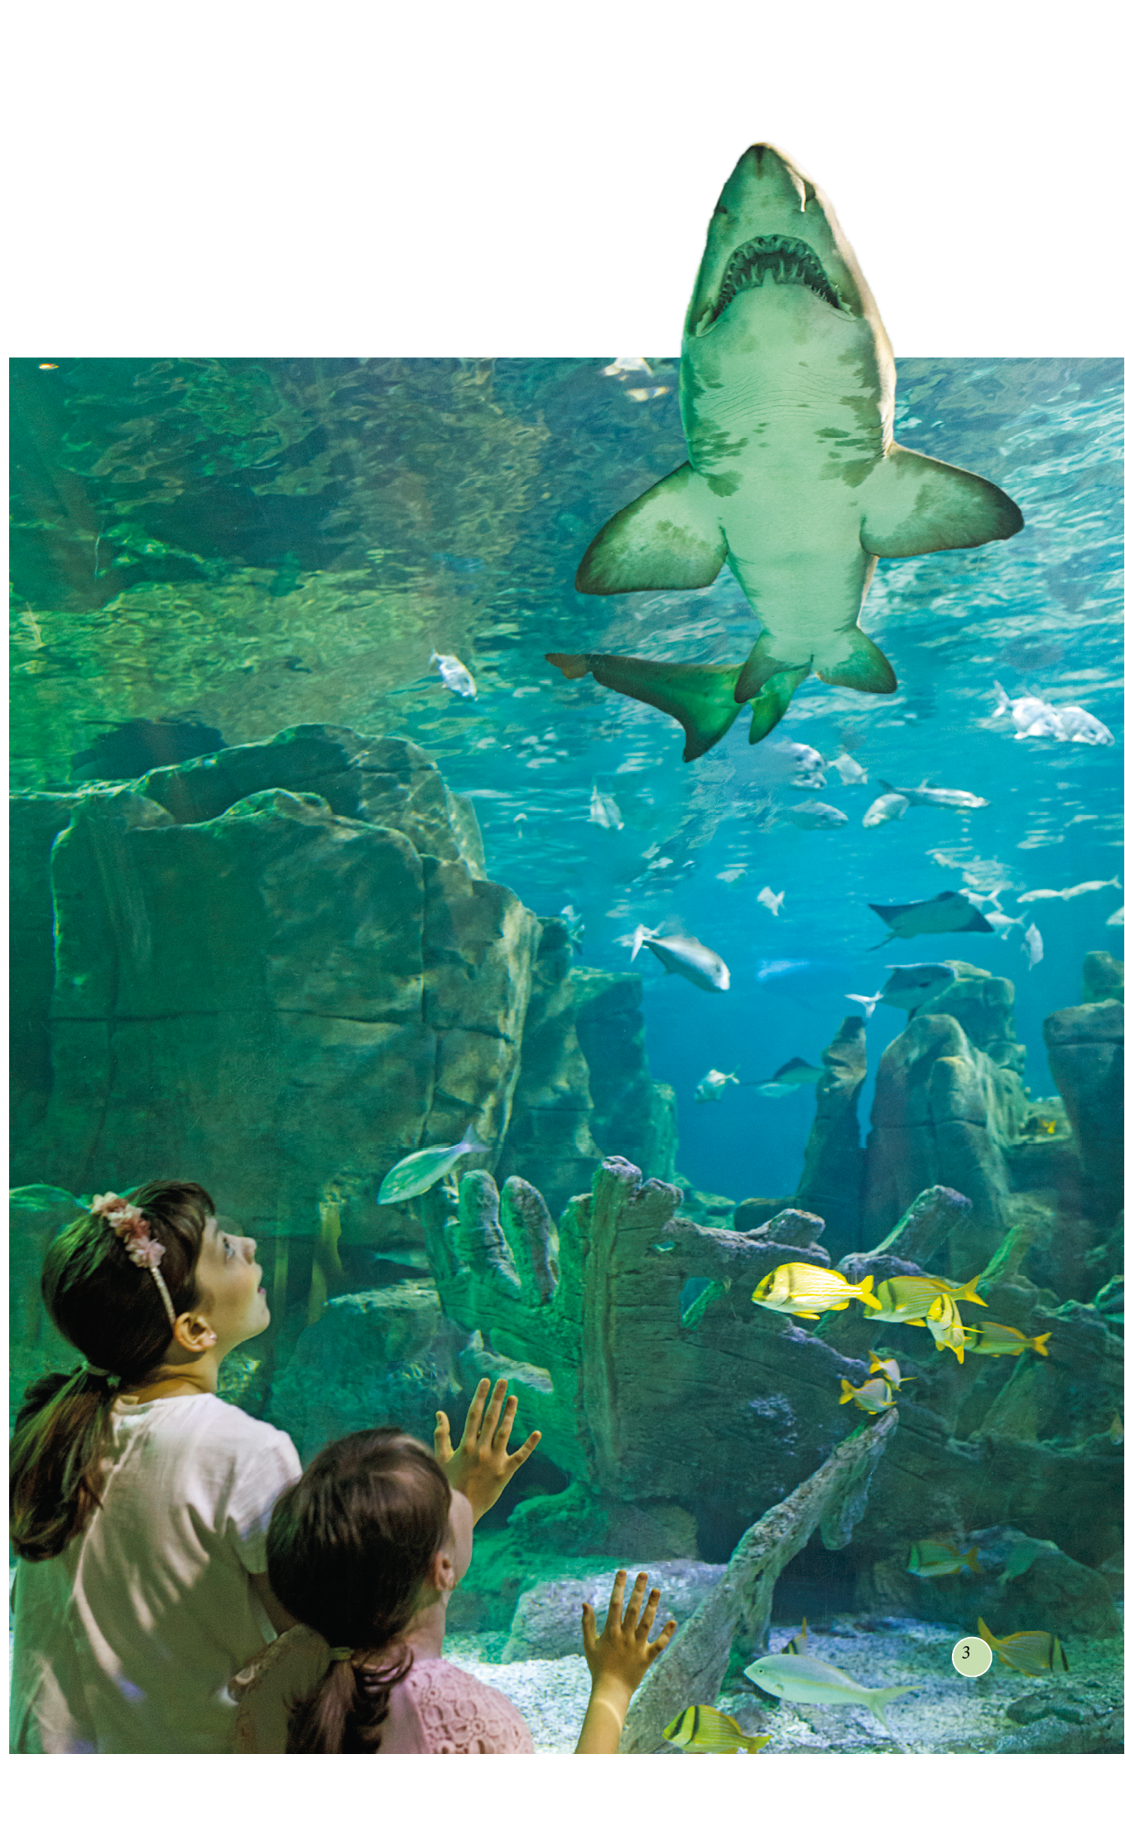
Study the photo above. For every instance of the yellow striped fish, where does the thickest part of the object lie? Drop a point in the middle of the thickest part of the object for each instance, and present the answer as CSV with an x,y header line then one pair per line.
x,y
888,1367
997,1338
943,1319
809,1290
935,1558
798,1643
703,1731
874,1395
1029,1650
906,1299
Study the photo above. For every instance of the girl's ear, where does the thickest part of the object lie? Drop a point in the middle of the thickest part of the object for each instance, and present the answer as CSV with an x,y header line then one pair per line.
x,y
193,1333
443,1572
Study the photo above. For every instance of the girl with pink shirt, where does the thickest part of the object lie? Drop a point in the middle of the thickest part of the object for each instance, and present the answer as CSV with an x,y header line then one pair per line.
x,y
365,1551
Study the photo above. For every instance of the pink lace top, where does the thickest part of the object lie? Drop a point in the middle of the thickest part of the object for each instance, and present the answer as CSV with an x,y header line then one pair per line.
x,y
437,1710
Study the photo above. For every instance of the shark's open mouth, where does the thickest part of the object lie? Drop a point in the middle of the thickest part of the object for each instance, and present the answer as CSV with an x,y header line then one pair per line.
x,y
786,258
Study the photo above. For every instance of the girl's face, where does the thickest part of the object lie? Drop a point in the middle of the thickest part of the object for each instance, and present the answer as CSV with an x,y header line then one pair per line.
x,y
230,1280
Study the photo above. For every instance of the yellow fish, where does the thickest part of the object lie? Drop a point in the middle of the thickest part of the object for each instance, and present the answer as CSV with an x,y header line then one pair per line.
x,y
799,1642
934,1558
1029,1650
875,1395
809,1290
996,1338
889,1367
703,1731
943,1319
907,1299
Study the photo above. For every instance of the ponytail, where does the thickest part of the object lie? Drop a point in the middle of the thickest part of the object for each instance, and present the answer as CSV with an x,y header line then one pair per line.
x,y
343,1715
113,1313
348,1549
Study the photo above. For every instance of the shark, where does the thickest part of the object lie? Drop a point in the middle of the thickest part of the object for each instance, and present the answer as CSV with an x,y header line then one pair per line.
x,y
793,479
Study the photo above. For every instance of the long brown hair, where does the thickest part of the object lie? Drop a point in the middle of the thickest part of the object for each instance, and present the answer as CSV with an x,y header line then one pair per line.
x,y
113,1313
348,1549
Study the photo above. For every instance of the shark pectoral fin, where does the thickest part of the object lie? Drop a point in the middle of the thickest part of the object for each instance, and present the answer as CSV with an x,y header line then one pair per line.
x,y
768,708
699,696
764,663
863,668
668,537
912,505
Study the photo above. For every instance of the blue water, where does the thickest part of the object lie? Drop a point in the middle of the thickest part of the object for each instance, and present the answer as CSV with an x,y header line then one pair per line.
x,y
266,542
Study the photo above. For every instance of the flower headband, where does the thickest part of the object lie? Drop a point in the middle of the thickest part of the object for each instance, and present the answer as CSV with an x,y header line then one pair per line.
x,y
131,1227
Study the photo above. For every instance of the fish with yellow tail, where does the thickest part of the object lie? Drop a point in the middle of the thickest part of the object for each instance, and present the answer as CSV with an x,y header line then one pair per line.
x,y
874,1395
907,1299
798,1643
934,1558
801,1681
1029,1650
998,1338
943,1319
703,1731
809,1290
889,1369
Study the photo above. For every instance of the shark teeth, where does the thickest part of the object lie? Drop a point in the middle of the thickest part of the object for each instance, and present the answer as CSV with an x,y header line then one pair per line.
x,y
786,258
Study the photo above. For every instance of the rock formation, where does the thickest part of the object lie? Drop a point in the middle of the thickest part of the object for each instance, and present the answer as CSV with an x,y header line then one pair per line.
x,y
280,967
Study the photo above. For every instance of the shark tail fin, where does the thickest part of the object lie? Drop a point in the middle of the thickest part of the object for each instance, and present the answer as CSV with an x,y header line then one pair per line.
x,y
699,696
763,663
770,704
863,668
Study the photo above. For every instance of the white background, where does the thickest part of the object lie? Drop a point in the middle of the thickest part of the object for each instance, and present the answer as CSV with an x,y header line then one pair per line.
x,y
496,179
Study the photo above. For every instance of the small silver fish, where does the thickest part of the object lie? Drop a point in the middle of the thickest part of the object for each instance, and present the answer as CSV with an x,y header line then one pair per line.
x,y
767,898
711,1087
621,367
1033,945
453,673
1084,887
660,389
927,794
604,811
811,815
417,1173
690,959
793,1074
869,1002
884,809
575,927
850,771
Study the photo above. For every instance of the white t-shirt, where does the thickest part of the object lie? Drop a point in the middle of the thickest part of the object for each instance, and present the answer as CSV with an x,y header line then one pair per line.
x,y
125,1641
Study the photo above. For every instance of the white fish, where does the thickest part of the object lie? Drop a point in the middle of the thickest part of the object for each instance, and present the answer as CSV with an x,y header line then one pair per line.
x,y
810,815
809,765
691,959
927,794
890,805
1030,715
661,389
604,812
636,939
1117,919
622,366
453,673
1003,922
804,1681
730,874
978,899
1084,887
850,771
1033,945
869,1002
711,1086
1080,725
767,898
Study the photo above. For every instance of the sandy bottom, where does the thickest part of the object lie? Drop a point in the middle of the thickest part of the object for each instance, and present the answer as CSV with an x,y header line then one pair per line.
x,y
945,1715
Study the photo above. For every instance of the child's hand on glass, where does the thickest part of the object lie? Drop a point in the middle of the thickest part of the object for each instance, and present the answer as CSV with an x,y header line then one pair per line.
x,y
481,1466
